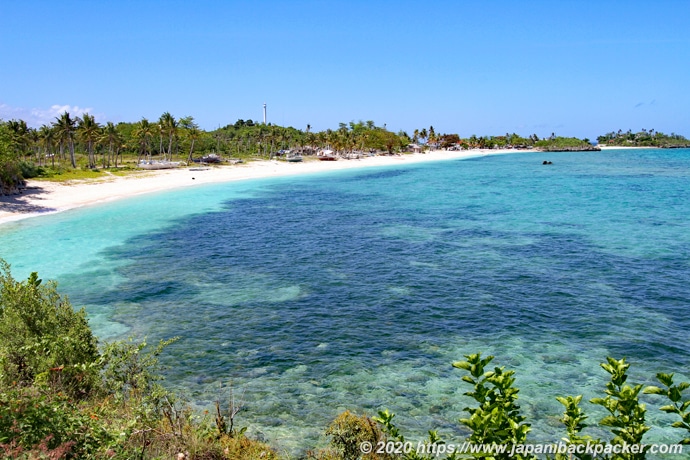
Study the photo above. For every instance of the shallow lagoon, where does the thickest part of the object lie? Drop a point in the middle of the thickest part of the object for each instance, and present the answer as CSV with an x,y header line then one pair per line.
x,y
356,290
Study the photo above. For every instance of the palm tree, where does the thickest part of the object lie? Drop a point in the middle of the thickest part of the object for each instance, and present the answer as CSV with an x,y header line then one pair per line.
x,y
47,138
350,141
89,131
114,141
168,126
432,135
338,140
35,144
19,136
193,133
270,137
311,141
322,139
160,140
143,133
65,127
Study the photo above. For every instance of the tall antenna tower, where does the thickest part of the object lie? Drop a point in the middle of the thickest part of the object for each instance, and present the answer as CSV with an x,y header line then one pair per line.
x,y
264,113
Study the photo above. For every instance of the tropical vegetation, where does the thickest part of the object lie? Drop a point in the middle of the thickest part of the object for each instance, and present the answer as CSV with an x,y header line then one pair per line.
x,y
64,395
564,144
81,143
644,138
11,177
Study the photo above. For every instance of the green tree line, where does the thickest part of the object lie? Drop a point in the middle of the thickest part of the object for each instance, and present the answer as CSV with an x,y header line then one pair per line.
x,y
70,142
644,138
69,139
82,142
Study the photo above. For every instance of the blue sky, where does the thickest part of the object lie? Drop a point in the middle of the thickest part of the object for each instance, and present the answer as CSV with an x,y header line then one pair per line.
x,y
576,68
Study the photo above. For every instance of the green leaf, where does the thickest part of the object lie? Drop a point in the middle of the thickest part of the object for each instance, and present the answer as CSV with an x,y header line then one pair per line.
x,y
563,401
652,390
674,394
462,365
609,420
665,379
670,409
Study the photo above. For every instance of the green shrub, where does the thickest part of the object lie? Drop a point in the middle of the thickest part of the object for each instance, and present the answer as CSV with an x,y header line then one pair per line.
x,y
10,177
34,421
680,405
348,431
43,341
30,170
496,419
131,369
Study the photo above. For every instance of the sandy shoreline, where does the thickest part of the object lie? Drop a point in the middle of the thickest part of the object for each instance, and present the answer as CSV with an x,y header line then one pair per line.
x,y
42,197
622,147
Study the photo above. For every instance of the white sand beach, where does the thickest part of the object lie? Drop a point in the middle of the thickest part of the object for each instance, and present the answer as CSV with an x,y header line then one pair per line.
x,y
621,147
42,197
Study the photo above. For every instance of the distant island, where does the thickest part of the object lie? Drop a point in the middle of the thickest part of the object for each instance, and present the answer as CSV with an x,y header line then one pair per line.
x,y
644,138
565,144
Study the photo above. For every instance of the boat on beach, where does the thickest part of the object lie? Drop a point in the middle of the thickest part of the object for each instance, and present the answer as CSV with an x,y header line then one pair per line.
x,y
293,158
159,164
327,155
208,159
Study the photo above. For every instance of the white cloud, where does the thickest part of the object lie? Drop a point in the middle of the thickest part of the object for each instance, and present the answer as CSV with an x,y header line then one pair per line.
x,y
37,116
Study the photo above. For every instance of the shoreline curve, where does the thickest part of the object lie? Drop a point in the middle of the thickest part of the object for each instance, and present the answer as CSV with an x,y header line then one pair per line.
x,y
45,197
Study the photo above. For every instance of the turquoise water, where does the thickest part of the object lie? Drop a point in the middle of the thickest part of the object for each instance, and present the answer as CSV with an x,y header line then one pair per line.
x,y
358,289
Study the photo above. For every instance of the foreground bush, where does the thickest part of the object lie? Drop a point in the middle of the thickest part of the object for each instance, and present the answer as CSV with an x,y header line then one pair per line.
x,y
60,397
496,420
33,420
44,341
348,433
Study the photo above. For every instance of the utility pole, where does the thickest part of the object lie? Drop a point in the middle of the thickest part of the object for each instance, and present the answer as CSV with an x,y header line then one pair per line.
x,y
264,113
